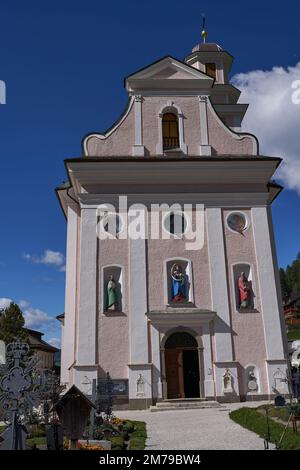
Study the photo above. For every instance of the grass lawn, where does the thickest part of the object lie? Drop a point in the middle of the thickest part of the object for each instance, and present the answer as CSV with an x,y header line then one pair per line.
x,y
137,436
255,421
293,334
281,413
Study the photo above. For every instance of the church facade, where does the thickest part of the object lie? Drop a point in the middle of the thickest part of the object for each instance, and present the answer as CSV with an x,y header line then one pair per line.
x,y
171,278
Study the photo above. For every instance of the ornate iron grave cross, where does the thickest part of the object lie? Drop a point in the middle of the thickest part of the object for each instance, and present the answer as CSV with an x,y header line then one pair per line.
x,y
22,388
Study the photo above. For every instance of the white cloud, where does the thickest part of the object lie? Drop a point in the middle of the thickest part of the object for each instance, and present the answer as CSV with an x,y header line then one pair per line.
x,y
49,257
55,342
36,318
23,304
4,302
273,116
53,257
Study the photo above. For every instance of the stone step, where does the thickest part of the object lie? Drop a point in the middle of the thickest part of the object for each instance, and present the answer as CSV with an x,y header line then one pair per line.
x,y
184,405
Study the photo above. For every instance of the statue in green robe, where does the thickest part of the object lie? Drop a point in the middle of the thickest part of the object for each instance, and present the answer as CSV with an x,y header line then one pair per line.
x,y
112,296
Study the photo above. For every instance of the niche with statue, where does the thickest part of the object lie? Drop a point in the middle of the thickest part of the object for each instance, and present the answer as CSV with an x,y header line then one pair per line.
x,y
179,282
112,289
243,287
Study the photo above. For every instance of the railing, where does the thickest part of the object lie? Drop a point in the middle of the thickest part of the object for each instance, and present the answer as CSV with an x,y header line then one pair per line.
x,y
170,142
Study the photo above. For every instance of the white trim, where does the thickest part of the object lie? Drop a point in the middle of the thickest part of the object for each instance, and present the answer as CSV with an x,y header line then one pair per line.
x,y
113,129
156,370
205,148
138,149
267,284
223,200
87,297
69,333
137,280
208,372
219,281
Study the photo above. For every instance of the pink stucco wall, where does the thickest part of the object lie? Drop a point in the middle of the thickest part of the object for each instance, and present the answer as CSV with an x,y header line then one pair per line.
x,y
122,139
189,106
113,329
119,142
224,142
248,330
161,250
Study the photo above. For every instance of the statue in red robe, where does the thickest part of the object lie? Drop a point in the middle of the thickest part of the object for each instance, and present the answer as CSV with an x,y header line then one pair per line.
x,y
245,291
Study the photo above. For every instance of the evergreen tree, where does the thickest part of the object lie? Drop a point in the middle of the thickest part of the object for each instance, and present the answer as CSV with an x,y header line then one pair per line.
x,y
12,324
284,285
290,278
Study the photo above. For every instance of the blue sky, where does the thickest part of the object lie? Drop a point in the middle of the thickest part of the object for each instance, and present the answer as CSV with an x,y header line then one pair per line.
x,y
63,63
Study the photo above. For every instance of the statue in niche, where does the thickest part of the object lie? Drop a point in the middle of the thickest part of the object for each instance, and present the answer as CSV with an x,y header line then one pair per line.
x,y
227,382
112,294
178,283
245,291
140,386
252,381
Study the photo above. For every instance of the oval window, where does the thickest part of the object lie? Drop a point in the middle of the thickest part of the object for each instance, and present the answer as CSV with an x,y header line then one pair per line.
x,y
112,223
237,221
175,223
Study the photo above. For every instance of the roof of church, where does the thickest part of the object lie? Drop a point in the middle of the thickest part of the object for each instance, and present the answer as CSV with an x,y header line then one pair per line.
x,y
207,47
184,158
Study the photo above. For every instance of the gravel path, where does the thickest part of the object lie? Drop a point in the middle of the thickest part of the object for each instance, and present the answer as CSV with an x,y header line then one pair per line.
x,y
204,429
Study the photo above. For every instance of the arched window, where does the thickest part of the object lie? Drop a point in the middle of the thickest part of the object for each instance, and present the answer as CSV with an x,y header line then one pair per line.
x,y
170,131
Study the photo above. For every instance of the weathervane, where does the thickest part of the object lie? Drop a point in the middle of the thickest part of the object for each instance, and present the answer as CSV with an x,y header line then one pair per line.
x,y
204,33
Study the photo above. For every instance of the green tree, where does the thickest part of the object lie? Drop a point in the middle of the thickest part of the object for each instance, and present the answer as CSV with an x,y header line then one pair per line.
x,y
284,284
12,323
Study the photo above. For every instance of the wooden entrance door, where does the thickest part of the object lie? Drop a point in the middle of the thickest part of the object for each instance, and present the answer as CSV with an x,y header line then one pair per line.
x,y
174,373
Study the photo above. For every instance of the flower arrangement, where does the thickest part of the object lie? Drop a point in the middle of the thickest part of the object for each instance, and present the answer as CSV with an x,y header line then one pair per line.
x,y
88,446
116,421
83,446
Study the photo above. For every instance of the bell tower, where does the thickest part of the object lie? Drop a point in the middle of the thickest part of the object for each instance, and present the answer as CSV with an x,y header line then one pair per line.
x,y
214,61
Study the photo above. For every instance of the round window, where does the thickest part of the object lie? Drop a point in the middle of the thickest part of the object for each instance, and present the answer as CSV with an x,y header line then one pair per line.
x,y
175,223
237,221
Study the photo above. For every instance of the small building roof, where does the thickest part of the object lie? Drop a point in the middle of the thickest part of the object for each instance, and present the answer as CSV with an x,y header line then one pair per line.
x,y
36,341
207,47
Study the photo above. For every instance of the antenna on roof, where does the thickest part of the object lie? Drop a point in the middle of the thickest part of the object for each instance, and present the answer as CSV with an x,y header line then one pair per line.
x,y
204,33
